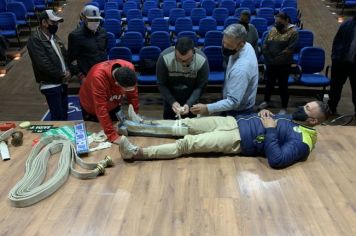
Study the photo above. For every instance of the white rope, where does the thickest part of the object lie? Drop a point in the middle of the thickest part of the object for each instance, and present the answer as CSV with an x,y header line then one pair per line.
x,y
97,137
32,188
177,128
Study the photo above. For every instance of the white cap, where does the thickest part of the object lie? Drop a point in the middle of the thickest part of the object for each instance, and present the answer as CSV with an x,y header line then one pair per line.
x,y
49,14
91,12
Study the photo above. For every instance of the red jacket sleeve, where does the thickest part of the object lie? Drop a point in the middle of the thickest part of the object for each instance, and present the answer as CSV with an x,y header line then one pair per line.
x,y
100,98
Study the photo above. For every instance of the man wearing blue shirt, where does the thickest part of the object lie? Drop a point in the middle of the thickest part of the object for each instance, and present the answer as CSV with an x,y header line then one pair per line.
x,y
241,76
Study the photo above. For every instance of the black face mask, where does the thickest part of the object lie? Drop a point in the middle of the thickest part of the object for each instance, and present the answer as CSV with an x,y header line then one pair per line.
x,y
299,114
52,29
245,24
279,26
228,52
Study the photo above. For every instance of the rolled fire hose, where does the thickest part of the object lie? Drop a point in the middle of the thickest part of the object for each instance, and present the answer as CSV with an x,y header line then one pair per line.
x,y
32,188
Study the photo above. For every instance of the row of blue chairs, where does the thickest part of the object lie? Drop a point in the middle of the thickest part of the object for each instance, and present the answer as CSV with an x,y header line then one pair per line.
x,y
32,6
182,24
162,40
189,4
345,3
15,13
219,14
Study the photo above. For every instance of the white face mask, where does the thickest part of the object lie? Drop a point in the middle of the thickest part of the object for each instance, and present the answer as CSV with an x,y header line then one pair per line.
x,y
93,26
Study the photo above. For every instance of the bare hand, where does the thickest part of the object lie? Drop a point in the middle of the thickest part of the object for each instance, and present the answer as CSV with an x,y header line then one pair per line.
x,y
199,108
268,122
185,110
264,113
176,108
67,76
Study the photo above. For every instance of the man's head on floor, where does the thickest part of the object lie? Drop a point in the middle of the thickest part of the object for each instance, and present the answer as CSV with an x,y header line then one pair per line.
x,y
312,113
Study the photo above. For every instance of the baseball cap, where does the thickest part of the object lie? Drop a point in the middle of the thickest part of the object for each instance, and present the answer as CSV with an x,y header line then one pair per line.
x,y
49,14
91,12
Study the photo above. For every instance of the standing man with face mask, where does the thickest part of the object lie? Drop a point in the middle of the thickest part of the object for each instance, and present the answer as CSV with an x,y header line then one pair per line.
x,y
278,49
182,74
87,43
48,56
241,76
252,34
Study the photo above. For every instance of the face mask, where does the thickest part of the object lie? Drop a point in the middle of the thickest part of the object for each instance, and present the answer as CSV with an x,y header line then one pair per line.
x,y
279,27
93,26
52,29
228,52
299,114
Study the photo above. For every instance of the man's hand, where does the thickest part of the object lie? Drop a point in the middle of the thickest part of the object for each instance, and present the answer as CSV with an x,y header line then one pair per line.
x,y
268,122
186,110
199,108
67,76
176,108
264,113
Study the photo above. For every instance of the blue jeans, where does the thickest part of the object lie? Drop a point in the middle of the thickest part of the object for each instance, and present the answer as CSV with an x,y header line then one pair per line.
x,y
57,100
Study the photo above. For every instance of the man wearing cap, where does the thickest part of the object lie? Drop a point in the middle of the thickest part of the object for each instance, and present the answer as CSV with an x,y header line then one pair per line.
x,y
103,90
87,43
48,56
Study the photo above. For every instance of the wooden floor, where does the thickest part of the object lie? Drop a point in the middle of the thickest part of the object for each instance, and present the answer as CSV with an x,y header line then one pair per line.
x,y
195,196
190,196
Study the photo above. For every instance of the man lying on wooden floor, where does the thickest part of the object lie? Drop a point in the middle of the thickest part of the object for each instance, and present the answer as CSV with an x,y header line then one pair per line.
x,y
282,139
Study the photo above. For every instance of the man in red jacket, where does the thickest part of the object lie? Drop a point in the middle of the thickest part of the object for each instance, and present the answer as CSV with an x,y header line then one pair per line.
x,y
101,94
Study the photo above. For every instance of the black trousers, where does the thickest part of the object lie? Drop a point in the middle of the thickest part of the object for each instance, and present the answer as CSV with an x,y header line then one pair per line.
x,y
280,73
57,100
340,71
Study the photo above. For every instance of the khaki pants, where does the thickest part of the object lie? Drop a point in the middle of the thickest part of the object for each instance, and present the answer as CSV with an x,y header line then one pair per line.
x,y
206,135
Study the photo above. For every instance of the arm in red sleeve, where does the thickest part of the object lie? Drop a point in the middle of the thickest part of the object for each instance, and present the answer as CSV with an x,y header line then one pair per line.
x,y
100,98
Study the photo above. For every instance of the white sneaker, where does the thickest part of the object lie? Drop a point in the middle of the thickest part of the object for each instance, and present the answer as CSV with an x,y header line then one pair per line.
x,y
282,112
127,149
133,116
263,105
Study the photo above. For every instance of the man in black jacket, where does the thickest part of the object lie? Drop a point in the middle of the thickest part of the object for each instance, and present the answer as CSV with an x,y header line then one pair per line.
x,y
87,43
48,56
343,63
